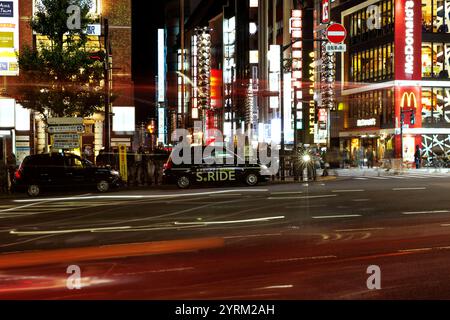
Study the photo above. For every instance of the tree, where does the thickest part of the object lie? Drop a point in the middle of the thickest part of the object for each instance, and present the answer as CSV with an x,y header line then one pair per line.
x,y
61,78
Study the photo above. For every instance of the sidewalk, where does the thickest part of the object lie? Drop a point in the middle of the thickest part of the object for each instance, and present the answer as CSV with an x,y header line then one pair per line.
x,y
374,172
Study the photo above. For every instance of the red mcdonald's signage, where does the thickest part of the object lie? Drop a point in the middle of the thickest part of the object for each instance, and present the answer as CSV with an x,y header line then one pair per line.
x,y
408,39
408,99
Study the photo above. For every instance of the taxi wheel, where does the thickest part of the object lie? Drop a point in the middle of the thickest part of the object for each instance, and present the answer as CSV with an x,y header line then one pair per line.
x,y
102,186
183,182
33,190
251,179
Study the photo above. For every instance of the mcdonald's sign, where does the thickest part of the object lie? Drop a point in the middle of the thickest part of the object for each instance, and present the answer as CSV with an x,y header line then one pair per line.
x,y
409,98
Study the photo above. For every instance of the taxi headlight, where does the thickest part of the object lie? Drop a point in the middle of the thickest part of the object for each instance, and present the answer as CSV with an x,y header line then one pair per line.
x,y
306,158
115,173
264,167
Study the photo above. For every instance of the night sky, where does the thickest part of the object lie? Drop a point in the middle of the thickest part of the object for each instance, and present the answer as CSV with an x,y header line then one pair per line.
x,y
147,18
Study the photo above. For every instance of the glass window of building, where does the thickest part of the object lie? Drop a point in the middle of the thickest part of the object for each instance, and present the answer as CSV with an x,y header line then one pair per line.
x,y
377,104
435,60
427,17
357,23
372,65
436,106
436,15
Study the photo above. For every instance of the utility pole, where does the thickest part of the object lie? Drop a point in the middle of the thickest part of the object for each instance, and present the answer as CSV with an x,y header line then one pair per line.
x,y
282,146
107,88
282,49
295,132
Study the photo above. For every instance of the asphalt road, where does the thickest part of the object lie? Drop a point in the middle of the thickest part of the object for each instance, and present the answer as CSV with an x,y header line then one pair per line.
x,y
285,241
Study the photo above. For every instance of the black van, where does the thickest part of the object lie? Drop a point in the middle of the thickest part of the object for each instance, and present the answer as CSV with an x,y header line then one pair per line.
x,y
62,170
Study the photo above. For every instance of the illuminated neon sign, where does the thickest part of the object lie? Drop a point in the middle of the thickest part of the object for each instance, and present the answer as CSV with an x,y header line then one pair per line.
x,y
408,40
409,37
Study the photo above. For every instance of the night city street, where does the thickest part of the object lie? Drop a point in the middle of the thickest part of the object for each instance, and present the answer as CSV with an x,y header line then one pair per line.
x,y
202,159
282,241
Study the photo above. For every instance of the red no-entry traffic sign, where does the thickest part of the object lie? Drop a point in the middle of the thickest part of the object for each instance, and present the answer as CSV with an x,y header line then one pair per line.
x,y
336,33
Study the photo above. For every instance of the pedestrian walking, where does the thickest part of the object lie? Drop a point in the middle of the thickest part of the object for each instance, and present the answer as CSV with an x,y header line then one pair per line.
x,y
3,177
361,157
369,157
131,168
417,157
345,158
11,162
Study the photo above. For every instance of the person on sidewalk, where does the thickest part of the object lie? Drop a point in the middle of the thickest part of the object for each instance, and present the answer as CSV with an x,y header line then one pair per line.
x,y
12,166
3,177
369,157
417,157
345,158
361,157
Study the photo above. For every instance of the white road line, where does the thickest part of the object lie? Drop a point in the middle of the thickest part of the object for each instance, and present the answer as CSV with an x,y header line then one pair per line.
x,y
254,236
153,196
360,178
21,207
291,192
337,216
48,232
355,190
283,286
357,230
301,259
305,197
200,223
416,250
417,177
422,212
380,178
406,189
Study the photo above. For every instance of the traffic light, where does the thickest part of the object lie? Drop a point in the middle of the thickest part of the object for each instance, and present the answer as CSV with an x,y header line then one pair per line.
x,y
151,128
413,117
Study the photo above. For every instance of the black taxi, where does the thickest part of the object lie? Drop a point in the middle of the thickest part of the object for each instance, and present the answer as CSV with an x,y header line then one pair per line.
x,y
223,167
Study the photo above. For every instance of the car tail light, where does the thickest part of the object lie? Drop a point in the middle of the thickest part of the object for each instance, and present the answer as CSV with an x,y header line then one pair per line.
x,y
18,174
168,165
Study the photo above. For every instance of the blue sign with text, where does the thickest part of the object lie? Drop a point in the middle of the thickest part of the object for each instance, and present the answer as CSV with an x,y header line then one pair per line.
x,y
6,9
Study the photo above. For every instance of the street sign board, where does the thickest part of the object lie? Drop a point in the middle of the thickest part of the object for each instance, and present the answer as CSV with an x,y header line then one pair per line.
x,y
66,144
64,120
66,128
66,137
336,33
329,47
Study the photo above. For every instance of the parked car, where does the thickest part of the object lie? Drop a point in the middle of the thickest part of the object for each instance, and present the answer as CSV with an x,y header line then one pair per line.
x,y
222,171
62,171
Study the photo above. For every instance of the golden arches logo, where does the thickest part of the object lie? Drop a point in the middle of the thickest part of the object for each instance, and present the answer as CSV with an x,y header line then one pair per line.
x,y
408,97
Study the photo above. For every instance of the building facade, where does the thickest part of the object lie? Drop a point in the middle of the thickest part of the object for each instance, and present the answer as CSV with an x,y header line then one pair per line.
x,y
255,69
22,131
394,77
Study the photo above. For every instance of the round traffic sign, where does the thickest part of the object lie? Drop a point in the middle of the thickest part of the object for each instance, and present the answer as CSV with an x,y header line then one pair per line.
x,y
336,33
